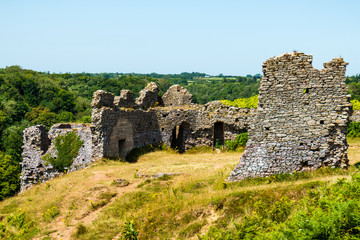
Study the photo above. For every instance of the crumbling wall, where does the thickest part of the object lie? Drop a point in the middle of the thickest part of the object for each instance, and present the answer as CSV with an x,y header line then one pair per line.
x,y
301,119
117,130
176,96
148,97
119,125
37,143
201,120
124,100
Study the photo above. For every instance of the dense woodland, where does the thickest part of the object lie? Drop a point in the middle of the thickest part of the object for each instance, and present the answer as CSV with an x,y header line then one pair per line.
x,y
28,98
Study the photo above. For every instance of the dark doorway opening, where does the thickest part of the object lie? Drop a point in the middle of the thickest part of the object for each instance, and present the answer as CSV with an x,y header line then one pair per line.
x,y
178,137
121,148
218,134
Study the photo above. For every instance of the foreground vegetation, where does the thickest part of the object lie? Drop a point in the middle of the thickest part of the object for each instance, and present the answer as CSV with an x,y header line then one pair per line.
x,y
194,203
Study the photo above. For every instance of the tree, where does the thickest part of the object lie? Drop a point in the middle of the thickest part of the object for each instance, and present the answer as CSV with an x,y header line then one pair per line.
x,y
9,176
41,115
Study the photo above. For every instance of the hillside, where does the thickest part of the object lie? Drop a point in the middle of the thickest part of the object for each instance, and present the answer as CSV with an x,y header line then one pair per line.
x,y
193,203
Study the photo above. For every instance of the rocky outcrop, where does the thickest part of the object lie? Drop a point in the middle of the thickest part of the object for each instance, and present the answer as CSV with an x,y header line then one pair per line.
x,y
301,120
176,96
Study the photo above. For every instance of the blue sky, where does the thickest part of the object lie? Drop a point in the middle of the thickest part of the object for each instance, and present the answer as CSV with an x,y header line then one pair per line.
x,y
144,36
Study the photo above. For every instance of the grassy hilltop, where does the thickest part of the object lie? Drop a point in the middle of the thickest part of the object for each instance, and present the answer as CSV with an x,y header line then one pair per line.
x,y
195,203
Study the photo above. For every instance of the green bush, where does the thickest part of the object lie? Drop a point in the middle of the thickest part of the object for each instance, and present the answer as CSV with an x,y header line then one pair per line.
x,y
355,104
17,226
218,143
67,147
240,141
9,176
353,129
129,231
243,102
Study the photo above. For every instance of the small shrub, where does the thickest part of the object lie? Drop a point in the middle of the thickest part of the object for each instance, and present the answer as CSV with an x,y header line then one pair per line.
x,y
218,143
240,141
353,130
67,147
231,145
129,232
355,104
50,213
280,210
17,226
80,230
243,102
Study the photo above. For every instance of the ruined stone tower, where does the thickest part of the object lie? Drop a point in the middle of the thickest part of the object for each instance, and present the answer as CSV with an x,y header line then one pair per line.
x,y
301,119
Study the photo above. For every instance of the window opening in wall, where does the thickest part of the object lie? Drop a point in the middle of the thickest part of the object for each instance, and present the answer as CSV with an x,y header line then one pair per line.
x,y
306,90
218,134
321,121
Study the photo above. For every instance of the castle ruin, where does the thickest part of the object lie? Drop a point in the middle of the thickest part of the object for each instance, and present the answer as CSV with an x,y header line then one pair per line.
x,y
300,123
121,123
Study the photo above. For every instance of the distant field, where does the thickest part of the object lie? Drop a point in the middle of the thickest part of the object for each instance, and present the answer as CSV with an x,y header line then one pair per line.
x,y
196,202
215,78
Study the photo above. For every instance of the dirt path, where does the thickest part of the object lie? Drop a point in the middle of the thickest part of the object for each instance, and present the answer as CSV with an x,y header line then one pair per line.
x,y
64,231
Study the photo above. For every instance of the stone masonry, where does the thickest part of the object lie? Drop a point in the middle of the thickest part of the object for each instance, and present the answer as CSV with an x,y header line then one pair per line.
x,y
301,119
300,123
37,143
120,124
177,96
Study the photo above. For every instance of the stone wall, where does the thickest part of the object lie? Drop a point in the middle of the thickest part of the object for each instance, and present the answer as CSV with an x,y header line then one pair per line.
x,y
116,130
120,124
300,123
37,143
301,119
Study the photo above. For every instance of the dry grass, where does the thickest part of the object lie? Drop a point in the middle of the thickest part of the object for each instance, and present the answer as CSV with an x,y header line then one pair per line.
x,y
88,199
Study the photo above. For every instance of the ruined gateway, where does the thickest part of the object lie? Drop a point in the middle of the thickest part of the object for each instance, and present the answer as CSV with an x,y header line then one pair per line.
x,y
300,123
